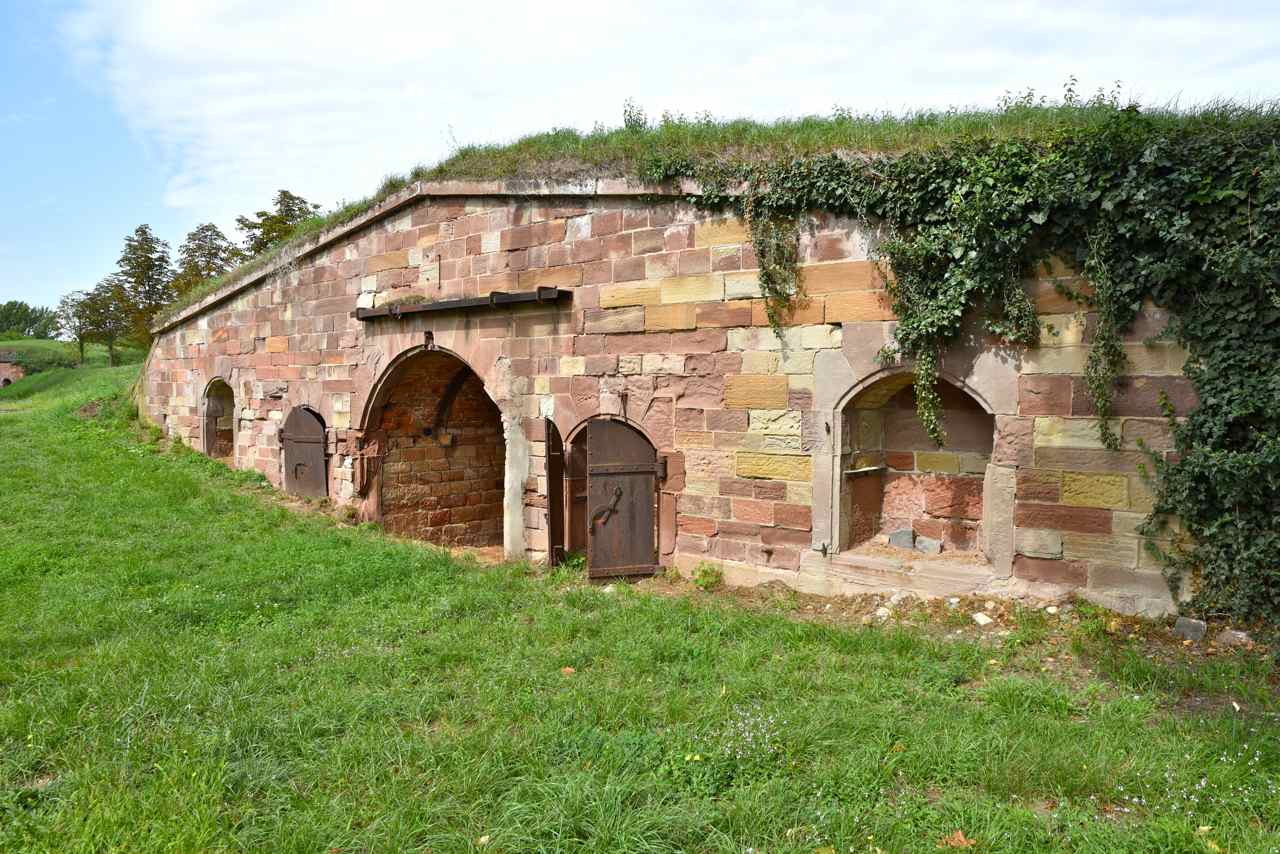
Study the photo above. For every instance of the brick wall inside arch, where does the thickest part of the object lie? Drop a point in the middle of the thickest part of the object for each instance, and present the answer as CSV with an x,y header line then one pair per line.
x,y
445,485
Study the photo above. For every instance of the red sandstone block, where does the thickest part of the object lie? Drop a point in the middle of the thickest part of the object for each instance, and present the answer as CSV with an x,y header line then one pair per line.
x,y
1041,394
689,418
595,273
1058,517
725,314
700,525
769,490
739,530
698,341
953,534
692,262
1041,485
629,269
588,250
830,247
617,246
1050,571
953,497
727,420
785,537
739,487
645,342
558,254
605,223
1013,442
900,460
678,237
633,218
1138,396
723,548
647,241
795,516
601,365
727,261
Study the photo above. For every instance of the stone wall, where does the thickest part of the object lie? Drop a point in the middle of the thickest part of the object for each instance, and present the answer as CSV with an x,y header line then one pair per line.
x,y
664,327
10,373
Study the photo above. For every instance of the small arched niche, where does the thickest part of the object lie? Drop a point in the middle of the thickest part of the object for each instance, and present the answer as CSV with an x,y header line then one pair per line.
x,y
219,433
897,487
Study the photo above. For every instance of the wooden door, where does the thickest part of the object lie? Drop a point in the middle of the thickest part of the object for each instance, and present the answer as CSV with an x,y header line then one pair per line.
x,y
555,495
305,469
622,489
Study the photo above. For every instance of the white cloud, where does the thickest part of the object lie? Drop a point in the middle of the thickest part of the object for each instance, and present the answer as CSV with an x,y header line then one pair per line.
x,y
238,99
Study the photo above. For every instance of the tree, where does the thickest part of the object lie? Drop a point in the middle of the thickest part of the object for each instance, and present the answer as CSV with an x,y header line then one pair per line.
x,y
108,313
147,277
204,255
267,228
73,319
19,318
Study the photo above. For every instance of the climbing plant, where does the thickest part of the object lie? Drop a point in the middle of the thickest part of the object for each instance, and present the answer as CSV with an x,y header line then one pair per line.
x,y
1182,211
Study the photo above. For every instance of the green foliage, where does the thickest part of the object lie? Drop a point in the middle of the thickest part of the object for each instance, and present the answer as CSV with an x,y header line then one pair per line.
x,y
708,576
205,254
1182,211
19,319
146,277
267,228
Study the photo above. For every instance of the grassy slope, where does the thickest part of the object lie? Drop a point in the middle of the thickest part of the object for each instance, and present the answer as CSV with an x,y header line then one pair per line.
x,y
42,353
184,666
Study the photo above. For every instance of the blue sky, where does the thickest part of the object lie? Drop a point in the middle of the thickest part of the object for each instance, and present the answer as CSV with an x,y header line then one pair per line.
x,y
117,112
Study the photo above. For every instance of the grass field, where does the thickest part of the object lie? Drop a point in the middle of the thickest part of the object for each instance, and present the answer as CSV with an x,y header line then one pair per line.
x,y
42,354
186,665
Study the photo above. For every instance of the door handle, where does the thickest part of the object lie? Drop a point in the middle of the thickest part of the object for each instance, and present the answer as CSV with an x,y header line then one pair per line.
x,y
602,514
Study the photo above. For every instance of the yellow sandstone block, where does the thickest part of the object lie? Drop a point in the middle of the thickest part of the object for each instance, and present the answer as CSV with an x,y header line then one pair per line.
x,y
774,466
708,288
718,232
660,318
614,296
755,391
856,306
278,344
840,277
1055,432
1095,490
939,461
387,261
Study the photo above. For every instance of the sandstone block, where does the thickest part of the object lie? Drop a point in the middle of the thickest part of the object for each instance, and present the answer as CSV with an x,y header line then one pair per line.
x,y
755,391
1049,571
855,306
781,422
1038,542
754,464
551,277
953,497
670,317
721,314
742,285
1054,431
708,288
614,320
613,296
573,366
938,461
1058,517
797,516
278,344
387,261
719,232
751,510
1039,485
1063,330
1044,394
841,277
663,363
797,361
1095,490
1108,549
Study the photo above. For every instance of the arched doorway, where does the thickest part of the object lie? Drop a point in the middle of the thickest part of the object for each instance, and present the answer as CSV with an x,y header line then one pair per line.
x,y
441,451
6,382
219,426
611,473
896,483
306,470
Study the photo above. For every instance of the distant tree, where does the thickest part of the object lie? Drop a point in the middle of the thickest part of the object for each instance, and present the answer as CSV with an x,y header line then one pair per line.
x,y
147,277
109,314
204,255
19,318
267,228
73,320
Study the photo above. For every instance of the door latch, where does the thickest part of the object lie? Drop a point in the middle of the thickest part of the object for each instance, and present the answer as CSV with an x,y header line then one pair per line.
x,y
602,514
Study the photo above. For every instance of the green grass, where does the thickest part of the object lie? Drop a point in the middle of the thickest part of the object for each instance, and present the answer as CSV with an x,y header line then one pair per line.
x,y
187,666
42,354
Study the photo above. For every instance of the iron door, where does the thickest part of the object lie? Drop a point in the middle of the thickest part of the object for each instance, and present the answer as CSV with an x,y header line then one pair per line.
x,y
622,489
555,495
217,443
305,472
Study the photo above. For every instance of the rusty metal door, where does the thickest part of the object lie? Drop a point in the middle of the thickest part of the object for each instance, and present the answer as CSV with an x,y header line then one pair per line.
x,y
622,490
217,443
305,472
555,495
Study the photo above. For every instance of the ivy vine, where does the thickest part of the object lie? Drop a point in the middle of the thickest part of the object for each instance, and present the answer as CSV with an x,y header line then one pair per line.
x,y
1181,211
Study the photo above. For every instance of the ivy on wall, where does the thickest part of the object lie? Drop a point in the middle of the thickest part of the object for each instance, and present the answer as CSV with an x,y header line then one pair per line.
x,y
1183,211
